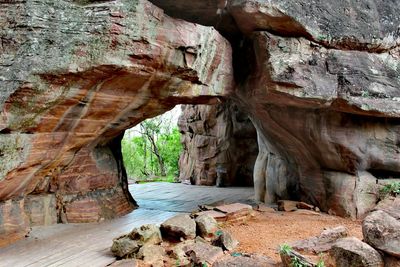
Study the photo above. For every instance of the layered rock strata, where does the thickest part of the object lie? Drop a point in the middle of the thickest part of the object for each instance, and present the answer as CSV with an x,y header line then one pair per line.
x,y
320,81
74,76
220,145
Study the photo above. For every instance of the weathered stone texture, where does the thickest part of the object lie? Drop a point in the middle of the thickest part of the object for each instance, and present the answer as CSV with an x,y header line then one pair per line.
x,y
219,141
74,76
320,81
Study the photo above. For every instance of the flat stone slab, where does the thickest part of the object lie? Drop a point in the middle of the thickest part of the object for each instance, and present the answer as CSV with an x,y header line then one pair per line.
x,y
233,208
218,216
236,212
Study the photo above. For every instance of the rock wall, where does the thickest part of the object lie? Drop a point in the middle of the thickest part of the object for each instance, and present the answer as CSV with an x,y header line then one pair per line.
x,y
220,143
324,97
73,76
320,81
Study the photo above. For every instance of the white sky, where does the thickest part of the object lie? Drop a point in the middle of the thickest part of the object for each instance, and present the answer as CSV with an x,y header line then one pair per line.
x,y
171,115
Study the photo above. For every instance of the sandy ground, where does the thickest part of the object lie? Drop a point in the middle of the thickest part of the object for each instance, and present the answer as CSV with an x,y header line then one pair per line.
x,y
265,232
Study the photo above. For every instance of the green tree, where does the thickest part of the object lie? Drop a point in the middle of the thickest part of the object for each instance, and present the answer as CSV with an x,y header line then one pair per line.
x,y
152,150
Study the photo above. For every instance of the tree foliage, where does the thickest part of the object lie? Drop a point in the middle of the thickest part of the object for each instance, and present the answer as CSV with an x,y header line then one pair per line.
x,y
152,150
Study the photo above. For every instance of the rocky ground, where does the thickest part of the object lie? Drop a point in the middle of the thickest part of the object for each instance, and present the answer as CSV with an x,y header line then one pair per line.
x,y
266,231
290,234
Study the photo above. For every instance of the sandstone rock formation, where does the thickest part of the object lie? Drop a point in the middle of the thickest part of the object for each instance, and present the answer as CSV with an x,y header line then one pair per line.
x,y
220,143
319,80
75,75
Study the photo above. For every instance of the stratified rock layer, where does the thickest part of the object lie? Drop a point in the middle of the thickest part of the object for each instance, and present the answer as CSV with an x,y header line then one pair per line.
x,y
319,80
220,143
74,76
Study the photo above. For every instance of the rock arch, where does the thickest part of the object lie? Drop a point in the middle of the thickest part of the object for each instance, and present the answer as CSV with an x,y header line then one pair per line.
x,y
320,83
75,75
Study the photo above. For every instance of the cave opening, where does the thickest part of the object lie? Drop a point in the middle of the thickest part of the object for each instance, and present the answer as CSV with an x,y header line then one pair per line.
x,y
204,145
151,149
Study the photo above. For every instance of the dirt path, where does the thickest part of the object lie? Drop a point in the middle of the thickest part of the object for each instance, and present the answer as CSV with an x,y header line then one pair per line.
x,y
265,232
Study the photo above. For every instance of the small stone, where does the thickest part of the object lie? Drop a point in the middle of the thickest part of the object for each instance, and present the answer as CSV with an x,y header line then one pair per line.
x,y
307,212
317,209
181,226
124,247
287,205
264,208
179,253
233,208
217,215
304,206
148,233
236,212
203,253
207,226
351,251
152,255
225,241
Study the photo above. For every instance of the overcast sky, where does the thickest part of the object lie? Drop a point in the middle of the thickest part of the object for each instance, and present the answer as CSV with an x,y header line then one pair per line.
x,y
171,115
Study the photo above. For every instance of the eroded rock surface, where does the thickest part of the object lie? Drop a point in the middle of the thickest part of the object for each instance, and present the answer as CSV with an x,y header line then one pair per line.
x,y
382,231
351,251
220,145
319,80
74,76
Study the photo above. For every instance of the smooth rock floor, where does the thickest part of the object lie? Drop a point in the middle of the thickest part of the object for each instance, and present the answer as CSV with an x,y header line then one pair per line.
x,y
88,244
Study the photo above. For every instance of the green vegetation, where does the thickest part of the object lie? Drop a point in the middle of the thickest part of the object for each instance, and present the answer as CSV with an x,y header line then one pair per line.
x,y
151,152
320,262
298,261
285,249
391,189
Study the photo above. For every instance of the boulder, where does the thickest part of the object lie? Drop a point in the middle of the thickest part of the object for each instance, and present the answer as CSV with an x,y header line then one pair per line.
x,y
225,240
152,255
382,231
390,205
207,226
146,234
321,243
203,254
350,251
124,247
244,260
180,226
